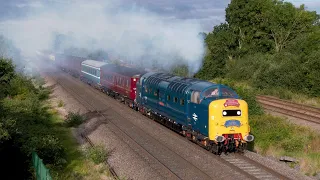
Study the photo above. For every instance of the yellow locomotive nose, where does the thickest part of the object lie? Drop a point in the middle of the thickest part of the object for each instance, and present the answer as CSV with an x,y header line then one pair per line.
x,y
229,117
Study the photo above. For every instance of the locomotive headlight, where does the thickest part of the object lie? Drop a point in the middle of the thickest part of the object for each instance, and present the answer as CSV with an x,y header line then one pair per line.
x,y
224,113
134,79
239,113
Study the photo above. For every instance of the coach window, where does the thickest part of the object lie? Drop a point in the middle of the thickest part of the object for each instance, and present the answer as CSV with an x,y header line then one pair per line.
x,y
168,97
156,93
175,99
195,97
146,89
182,102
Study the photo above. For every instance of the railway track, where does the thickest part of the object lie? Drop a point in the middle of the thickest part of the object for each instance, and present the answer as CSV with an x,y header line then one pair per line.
x,y
291,109
246,166
110,168
163,169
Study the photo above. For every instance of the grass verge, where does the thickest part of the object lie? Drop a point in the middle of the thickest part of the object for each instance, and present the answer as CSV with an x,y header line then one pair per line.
x,y
78,164
276,136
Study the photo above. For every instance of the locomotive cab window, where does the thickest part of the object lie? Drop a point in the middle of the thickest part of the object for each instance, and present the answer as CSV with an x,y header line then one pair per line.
x,y
231,113
195,97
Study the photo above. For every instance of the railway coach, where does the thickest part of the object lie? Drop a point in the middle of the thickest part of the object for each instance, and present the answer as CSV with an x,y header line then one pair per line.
x,y
91,72
120,82
210,114
70,64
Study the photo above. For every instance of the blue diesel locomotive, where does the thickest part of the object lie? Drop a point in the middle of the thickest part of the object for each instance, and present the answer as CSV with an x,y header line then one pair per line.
x,y
210,114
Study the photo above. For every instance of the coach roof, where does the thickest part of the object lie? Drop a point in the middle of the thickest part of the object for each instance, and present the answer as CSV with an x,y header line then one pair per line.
x,y
94,63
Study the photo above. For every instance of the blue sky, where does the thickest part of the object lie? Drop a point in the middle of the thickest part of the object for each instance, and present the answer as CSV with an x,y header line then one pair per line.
x,y
207,12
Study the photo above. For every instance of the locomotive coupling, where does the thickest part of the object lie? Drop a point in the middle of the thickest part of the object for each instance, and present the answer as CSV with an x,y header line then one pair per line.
x,y
248,138
220,138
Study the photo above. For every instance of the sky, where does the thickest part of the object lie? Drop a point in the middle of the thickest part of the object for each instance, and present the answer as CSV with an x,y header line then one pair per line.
x,y
158,32
207,12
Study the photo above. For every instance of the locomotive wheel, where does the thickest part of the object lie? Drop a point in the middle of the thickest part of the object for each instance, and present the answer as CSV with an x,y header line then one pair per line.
x,y
194,139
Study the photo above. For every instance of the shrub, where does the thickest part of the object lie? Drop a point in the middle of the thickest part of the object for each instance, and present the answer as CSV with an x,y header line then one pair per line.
x,y
50,149
97,154
74,119
44,93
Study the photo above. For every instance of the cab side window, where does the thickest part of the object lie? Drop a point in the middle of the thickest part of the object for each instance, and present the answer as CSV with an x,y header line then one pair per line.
x,y
195,97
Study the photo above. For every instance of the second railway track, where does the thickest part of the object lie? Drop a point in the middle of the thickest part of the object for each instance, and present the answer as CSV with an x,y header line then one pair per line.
x,y
303,112
246,167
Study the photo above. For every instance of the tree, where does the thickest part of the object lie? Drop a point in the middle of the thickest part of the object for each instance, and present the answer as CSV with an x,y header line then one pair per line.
x,y
221,45
285,22
6,75
246,18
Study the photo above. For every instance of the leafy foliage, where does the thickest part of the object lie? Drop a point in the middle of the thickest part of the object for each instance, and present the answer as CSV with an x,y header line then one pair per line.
x,y
25,123
74,119
97,154
181,70
268,43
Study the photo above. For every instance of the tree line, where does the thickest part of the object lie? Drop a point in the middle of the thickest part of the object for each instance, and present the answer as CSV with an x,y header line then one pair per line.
x,y
267,43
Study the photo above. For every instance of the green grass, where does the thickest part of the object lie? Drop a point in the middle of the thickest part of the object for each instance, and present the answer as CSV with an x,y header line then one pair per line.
x,y
97,154
74,119
78,165
277,137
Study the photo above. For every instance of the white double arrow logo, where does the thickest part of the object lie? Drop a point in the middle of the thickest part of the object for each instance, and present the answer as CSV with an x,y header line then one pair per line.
x,y
195,117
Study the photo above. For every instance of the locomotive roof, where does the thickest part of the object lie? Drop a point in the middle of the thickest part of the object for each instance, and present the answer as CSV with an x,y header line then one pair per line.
x,y
176,83
123,70
94,63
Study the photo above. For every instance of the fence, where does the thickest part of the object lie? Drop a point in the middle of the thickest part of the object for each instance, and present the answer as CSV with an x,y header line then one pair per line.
x,y
42,173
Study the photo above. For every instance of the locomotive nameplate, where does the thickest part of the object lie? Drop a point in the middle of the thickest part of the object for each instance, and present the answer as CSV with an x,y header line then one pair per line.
x,y
231,102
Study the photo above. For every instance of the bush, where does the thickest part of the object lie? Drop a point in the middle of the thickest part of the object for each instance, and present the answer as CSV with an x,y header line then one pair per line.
x,y
50,149
74,119
97,154
43,93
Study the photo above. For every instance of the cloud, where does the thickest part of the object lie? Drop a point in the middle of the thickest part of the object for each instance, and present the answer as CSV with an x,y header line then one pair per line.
x,y
311,5
124,28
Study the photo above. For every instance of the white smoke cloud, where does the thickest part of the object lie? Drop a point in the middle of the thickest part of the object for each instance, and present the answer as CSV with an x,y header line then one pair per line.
x,y
128,30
